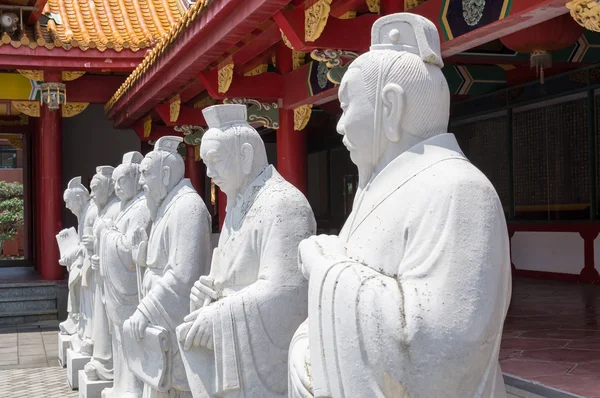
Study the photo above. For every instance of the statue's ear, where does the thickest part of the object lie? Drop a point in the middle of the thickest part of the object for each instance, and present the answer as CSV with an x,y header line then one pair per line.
x,y
166,175
393,101
247,157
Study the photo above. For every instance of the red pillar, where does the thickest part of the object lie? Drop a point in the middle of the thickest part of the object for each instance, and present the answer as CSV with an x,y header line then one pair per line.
x,y
391,6
194,170
50,187
291,145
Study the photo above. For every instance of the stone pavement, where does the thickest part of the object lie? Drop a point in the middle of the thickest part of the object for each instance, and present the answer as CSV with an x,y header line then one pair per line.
x,y
29,362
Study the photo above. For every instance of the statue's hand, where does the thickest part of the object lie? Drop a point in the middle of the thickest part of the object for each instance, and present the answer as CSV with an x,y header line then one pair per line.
x,y
139,246
199,332
88,242
139,323
202,293
312,250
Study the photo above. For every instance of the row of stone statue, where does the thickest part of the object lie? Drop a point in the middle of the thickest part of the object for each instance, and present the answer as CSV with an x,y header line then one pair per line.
x,y
408,301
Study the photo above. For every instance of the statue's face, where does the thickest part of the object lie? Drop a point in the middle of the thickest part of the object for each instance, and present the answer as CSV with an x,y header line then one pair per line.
x,y
154,186
358,118
99,191
73,202
125,185
220,165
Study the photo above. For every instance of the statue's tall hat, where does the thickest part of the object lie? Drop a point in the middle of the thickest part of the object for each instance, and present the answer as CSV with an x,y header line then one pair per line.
x,y
75,183
133,157
407,32
105,171
168,143
224,116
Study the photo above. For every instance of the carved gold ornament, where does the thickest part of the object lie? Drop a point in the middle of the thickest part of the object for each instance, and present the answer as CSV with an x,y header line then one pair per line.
x,y
315,19
36,75
332,58
68,76
147,126
297,59
13,139
274,61
71,109
174,108
302,116
225,78
409,4
286,41
348,15
29,108
206,101
374,6
586,13
262,68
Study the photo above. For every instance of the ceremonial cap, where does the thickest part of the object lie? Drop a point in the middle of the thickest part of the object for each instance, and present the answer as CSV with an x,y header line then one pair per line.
x,y
407,32
223,116
75,183
105,171
168,143
133,157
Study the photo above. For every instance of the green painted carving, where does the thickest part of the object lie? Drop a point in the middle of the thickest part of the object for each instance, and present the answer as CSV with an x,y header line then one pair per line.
x,y
259,112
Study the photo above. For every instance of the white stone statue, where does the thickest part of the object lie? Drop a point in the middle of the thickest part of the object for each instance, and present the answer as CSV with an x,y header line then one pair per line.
x,y
103,189
245,312
175,254
410,299
77,200
118,268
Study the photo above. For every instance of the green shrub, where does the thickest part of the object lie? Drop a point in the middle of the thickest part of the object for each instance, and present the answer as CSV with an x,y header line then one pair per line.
x,y
11,209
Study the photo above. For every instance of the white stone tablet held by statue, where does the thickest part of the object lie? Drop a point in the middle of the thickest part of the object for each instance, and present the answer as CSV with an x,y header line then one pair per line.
x,y
410,299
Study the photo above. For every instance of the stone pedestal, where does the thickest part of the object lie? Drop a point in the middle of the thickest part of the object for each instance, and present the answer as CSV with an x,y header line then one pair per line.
x,y
90,388
75,363
64,343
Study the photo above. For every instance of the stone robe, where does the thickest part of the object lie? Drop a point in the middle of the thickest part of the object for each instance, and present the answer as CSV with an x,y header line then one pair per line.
x,y
265,295
102,353
179,251
416,306
120,276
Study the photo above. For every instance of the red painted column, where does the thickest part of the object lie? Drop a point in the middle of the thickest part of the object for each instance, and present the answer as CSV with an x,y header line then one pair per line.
x,y
50,187
391,6
292,155
193,169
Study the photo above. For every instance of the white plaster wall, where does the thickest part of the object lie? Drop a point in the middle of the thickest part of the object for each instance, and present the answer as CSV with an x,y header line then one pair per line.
x,y
548,251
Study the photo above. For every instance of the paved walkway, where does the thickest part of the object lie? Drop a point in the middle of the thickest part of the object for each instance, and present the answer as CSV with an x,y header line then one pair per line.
x,y
29,362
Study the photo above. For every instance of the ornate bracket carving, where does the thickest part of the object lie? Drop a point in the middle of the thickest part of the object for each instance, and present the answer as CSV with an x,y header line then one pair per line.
x,y
71,109
29,108
286,41
265,113
35,75
334,60
262,68
68,76
147,126
302,116
225,77
206,101
174,108
374,6
586,13
315,19
297,59
192,136
13,139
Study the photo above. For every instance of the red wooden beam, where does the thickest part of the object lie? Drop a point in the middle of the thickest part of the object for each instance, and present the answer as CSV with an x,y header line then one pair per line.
x,y
258,45
188,115
16,129
193,89
223,24
341,7
295,91
35,15
266,86
156,132
93,88
347,34
74,59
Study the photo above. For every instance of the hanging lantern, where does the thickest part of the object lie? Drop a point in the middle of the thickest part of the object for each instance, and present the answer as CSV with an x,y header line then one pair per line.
x,y
53,94
541,39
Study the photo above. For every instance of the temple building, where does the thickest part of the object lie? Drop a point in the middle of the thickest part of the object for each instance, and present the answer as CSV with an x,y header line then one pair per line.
x,y
82,82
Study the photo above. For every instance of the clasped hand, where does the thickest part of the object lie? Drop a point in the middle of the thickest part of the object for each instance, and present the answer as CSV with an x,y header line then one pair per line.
x,y
311,251
197,331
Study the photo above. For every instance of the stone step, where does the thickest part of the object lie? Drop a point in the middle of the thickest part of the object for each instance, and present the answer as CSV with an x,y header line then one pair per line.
x,y
28,317
24,290
25,304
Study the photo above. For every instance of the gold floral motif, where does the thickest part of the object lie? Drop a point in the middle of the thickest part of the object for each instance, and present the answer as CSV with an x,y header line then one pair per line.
x,y
174,108
409,4
302,116
315,19
225,78
262,68
29,108
374,6
71,109
36,75
68,76
147,126
348,15
586,13
206,101
297,59
286,41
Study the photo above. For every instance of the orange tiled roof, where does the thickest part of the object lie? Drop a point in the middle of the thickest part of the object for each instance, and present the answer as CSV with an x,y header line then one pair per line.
x,y
102,24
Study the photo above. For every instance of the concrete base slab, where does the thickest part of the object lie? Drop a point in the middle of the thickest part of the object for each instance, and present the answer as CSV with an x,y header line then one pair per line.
x,y
75,363
64,343
91,388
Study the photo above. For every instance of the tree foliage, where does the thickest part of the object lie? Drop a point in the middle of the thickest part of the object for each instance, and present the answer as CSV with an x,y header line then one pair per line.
x,y
11,209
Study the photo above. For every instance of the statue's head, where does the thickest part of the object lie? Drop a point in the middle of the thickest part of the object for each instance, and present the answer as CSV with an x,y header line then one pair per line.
x,y
127,175
102,185
233,151
162,169
396,92
76,196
